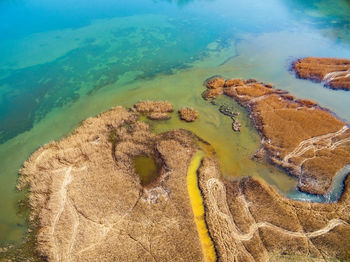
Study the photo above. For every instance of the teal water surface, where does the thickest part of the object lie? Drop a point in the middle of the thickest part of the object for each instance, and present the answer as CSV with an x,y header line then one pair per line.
x,y
63,61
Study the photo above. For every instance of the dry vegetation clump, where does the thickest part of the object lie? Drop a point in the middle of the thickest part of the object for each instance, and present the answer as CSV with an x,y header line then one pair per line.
x,y
249,220
154,110
215,82
297,134
90,204
234,82
212,93
232,87
158,116
306,102
253,90
215,87
334,72
188,114
153,106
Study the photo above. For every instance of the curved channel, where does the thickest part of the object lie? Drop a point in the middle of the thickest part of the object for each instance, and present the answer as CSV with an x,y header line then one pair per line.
x,y
333,194
198,207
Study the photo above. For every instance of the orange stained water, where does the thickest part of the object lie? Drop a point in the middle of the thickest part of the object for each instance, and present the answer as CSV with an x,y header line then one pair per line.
x,y
198,208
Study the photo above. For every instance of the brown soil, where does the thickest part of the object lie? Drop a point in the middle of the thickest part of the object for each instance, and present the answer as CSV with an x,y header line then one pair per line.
x,y
249,220
334,72
89,201
188,114
305,139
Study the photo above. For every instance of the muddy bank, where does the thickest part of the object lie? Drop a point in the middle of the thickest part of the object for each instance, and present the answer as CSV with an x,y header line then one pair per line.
x,y
296,134
333,72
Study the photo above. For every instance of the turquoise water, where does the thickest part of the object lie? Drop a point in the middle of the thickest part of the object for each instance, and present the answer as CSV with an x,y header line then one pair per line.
x,y
62,61
332,195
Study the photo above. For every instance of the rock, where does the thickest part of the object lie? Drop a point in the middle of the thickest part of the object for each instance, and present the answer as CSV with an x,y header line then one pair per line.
x,y
216,82
213,102
228,111
260,154
188,114
236,126
334,72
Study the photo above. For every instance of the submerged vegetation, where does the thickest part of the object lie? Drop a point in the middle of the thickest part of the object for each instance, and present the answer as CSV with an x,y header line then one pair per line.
x,y
76,64
26,249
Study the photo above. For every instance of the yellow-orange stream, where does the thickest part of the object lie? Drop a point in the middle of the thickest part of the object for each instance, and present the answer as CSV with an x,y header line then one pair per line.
x,y
198,207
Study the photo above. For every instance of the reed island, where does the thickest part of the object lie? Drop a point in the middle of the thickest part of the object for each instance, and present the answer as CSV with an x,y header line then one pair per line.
x,y
115,191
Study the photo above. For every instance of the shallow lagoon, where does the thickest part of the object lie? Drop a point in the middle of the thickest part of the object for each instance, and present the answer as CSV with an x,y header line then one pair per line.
x,y
64,61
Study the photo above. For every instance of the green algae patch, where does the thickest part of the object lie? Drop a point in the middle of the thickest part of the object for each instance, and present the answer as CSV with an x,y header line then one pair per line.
x,y
146,168
198,207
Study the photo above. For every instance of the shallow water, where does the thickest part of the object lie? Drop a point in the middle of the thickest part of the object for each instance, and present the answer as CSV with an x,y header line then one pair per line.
x,y
332,195
146,168
62,61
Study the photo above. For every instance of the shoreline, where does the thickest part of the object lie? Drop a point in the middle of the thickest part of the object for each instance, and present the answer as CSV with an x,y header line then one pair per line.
x,y
294,132
63,120
333,73
225,221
